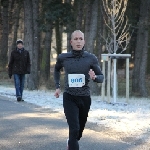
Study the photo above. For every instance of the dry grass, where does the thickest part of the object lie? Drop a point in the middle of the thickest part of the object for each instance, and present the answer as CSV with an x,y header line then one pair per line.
x,y
4,80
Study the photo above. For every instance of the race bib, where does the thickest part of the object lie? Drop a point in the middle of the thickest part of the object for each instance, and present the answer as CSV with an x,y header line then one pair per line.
x,y
76,80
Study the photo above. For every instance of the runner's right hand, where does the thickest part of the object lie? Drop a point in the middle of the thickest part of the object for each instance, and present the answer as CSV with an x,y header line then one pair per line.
x,y
57,93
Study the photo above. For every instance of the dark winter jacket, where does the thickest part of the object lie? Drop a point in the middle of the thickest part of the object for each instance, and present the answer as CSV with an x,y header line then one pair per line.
x,y
19,62
77,62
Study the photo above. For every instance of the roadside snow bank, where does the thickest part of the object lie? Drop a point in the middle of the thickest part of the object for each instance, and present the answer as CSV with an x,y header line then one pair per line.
x,y
133,119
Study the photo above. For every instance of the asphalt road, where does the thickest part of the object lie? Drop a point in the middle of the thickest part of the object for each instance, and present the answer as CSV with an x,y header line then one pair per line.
x,y
25,126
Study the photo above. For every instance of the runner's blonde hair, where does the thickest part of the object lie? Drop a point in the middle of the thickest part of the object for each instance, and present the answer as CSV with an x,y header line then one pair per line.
x,y
75,32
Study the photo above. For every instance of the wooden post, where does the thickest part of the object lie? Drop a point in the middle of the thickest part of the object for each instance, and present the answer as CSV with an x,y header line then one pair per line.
x,y
103,84
108,57
115,82
108,80
127,80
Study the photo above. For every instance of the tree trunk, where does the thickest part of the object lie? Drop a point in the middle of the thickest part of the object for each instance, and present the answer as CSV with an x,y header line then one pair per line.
x,y
16,25
11,14
141,52
28,39
0,25
93,27
36,43
90,35
48,38
148,59
87,22
58,38
68,39
144,56
68,28
5,32
148,62
99,32
79,14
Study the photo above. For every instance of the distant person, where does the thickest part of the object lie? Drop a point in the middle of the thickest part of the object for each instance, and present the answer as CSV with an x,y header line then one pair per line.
x,y
79,66
19,65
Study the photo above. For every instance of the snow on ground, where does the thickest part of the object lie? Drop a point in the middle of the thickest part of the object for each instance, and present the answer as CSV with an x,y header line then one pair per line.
x,y
133,119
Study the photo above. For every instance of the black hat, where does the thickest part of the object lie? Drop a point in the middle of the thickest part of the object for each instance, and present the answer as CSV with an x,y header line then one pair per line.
x,y
19,41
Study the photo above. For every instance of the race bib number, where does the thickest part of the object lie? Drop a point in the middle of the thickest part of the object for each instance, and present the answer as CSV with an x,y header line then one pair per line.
x,y
76,80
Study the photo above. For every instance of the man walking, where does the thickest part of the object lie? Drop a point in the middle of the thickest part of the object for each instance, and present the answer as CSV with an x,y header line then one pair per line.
x,y
19,65
79,67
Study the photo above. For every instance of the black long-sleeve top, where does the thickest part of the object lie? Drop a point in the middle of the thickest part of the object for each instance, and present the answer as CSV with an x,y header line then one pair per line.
x,y
77,62
19,62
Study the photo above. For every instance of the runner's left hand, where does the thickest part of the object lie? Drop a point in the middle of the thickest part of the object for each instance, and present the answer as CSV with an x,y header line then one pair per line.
x,y
92,74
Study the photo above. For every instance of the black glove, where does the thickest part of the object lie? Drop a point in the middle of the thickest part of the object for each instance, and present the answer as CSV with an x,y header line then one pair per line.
x,y
10,75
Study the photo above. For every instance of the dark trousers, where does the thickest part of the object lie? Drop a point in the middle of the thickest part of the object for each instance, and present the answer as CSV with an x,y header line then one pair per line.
x,y
76,109
19,80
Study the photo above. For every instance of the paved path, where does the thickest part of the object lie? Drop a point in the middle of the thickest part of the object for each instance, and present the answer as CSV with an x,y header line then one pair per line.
x,y
25,126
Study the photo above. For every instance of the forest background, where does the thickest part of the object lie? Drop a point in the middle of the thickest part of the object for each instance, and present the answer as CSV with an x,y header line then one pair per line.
x,y
45,26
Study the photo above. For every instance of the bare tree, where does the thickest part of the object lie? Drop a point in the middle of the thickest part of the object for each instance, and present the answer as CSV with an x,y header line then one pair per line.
x,y
118,33
117,23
